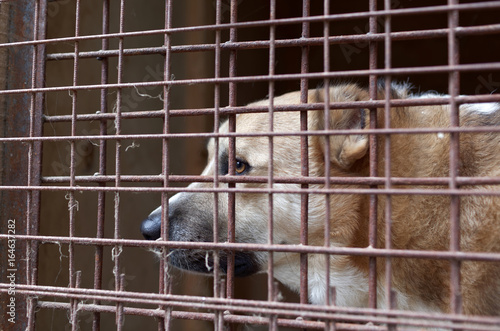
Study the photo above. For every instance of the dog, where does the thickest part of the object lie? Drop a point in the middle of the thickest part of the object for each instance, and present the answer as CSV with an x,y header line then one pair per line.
x,y
419,222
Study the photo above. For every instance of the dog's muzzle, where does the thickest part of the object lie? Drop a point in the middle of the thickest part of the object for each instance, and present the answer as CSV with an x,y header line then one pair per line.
x,y
190,224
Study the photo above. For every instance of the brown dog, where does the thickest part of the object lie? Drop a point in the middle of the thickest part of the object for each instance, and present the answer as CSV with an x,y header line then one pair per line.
x,y
419,222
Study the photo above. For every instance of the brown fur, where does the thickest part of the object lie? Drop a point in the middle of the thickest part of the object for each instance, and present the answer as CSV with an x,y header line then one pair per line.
x,y
419,222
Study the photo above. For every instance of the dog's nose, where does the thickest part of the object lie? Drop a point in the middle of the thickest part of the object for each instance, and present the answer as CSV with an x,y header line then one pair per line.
x,y
151,227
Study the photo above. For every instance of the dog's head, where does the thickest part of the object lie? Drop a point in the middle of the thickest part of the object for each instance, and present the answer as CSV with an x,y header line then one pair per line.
x,y
191,214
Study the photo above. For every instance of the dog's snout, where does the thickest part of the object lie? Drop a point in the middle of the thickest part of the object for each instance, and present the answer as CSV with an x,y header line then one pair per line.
x,y
151,226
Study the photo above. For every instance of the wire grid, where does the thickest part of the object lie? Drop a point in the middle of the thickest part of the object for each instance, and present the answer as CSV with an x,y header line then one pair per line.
x,y
223,308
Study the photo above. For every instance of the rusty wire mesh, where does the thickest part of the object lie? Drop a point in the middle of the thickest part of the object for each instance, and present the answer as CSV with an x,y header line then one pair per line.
x,y
107,130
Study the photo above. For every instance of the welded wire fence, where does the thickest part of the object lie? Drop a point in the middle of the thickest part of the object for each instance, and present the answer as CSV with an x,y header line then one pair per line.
x,y
106,110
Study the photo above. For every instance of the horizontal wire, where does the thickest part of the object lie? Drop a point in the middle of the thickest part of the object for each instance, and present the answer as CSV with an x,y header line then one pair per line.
x,y
265,307
278,180
294,42
265,23
200,316
264,190
474,67
438,100
438,130
226,246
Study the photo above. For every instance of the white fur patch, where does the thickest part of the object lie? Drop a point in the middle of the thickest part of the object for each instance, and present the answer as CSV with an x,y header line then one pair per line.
x,y
485,108
350,284
426,95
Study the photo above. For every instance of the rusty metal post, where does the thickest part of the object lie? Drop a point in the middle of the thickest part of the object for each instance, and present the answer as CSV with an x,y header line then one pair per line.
x,y
20,116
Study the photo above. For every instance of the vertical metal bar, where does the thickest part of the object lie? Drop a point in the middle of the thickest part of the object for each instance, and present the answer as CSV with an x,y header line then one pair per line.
x,y
101,196
372,241
74,304
31,147
167,319
271,285
35,153
387,153
330,325
217,73
389,294
327,156
454,91
232,153
219,317
273,319
116,251
73,204
304,156
164,278
119,306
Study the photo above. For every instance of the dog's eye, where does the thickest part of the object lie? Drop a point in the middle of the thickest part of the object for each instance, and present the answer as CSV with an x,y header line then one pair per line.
x,y
241,167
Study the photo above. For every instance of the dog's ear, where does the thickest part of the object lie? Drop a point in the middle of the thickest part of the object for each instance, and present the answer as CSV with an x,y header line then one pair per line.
x,y
344,149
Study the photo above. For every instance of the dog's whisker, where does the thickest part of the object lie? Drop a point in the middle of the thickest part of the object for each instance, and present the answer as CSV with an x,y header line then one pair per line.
x,y
209,268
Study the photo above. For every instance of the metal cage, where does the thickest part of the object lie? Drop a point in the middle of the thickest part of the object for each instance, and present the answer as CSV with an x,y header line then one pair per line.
x,y
106,108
